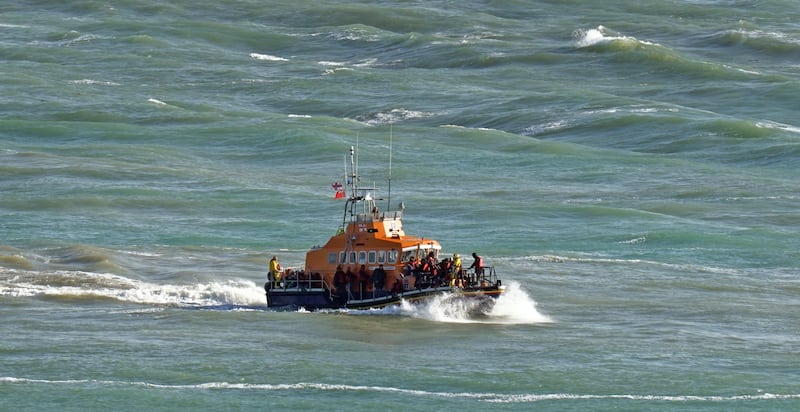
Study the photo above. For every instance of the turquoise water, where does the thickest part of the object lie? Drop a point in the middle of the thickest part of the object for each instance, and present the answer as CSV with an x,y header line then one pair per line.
x,y
629,168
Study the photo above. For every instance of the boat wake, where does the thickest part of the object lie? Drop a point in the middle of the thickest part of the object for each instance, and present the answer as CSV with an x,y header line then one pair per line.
x,y
514,306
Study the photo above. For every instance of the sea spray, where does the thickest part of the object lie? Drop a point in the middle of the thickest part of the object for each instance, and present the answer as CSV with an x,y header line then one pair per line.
x,y
514,306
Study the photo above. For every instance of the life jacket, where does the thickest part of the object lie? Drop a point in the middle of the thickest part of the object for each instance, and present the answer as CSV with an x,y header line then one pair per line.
x,y
457,264
339,278
274,266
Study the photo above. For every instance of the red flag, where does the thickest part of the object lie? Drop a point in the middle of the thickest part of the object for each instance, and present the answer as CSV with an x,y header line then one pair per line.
x,y
339,191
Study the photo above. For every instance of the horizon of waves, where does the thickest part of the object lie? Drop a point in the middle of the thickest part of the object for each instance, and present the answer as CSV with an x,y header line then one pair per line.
x,y
487,397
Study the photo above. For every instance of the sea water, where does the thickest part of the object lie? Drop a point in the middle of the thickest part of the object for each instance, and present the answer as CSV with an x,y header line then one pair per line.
x,y
630,169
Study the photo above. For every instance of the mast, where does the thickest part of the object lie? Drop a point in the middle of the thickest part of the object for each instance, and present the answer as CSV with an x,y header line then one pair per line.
x,y
353,173
389,196
352,181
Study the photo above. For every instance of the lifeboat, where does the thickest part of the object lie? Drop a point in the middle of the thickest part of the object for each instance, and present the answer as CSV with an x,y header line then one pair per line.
x,y
371,263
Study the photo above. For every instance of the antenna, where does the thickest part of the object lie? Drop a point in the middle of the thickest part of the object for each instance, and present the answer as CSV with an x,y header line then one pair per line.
x,y
353,172
389,197
355,164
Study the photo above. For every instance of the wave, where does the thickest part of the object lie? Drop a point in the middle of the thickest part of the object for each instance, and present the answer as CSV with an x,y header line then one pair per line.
x,y
94,82
630,50
16,261
268,57
602,36
672,129
105,286
765,42
393,116
488,397
594,260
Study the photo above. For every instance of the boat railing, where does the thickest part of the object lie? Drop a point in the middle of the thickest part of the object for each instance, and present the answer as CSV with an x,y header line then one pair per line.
x,y
464,278
483,278
301,282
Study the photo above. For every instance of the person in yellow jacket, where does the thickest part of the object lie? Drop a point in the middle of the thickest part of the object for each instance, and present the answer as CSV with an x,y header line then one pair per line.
x,y
456,269
274,275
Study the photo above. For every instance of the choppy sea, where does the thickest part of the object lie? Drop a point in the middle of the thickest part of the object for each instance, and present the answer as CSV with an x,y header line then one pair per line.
x,y
630,168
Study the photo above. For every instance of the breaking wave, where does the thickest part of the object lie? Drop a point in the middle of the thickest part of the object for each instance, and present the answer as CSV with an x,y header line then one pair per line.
x,y
603,36
487,397
105,286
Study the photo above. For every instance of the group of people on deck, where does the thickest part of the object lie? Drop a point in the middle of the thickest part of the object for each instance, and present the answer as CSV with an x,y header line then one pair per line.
x,y
356,285
427,272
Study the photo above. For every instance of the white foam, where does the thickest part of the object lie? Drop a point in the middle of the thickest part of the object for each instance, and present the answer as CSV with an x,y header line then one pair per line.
x,y
110,286
94,82
601,35
396,115
772,35
328,72
779,126
268,57
513,307
488,397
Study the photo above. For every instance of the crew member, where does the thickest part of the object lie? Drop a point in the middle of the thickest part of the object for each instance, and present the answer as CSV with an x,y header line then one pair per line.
x,y
456,263
456,269
477,264
340,283
351,280
379,278
274,275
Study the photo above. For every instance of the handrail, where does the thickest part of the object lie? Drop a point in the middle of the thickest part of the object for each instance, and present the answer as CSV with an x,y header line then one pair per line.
x,y
299,281
470,278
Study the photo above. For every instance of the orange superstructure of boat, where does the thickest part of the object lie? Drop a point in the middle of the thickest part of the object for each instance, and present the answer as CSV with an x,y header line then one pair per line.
x,y
371,263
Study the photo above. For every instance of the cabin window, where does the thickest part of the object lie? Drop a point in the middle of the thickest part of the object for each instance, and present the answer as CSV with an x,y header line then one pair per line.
x,y
392,256
408,254
381,256
342,257
332,258
352,257
362,258
371,257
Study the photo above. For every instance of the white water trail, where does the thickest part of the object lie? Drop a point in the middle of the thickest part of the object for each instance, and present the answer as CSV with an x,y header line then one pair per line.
x,y
513,307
